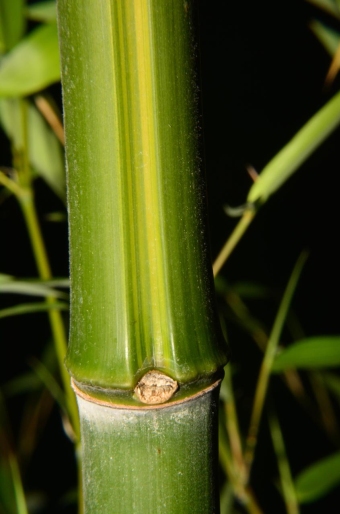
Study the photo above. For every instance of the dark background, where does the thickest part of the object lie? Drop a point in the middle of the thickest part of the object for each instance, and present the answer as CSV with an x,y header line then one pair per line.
x,y
262,75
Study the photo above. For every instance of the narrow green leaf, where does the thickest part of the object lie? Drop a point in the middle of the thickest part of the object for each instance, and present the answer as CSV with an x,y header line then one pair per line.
x,y
29,288
42,11
327,5
287,484
32,65
28,308
29,381
12,497
7,502
283,165
222,286
226,498
330,38
12,23
251,290
267,363
313,352
50,383
56,217
332,382
25,383
54,282
318,479
45,152
5,278
243,289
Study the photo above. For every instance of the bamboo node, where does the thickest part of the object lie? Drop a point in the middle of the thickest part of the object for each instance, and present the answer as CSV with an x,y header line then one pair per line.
x,y
155,387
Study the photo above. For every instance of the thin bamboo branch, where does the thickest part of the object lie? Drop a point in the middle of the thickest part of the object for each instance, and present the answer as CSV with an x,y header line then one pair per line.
x,y
287,483
233,427
51,117
265,370
57,326
232,241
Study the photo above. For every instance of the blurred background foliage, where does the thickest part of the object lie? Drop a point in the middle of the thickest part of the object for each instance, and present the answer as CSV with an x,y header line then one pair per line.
x,y
266,69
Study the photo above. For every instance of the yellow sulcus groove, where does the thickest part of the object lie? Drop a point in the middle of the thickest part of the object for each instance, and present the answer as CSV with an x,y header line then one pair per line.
x,y
148,180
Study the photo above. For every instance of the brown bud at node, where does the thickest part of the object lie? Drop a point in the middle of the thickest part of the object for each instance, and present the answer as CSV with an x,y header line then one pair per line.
x,y
155,387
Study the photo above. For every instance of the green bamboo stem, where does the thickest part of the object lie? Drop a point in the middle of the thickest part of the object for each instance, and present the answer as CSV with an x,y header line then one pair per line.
x,y
140,269
141,279
142,462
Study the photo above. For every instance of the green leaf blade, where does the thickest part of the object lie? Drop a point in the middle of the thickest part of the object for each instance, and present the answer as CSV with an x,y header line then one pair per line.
x,y
45,152
310,353
328,6
29,308
287,161
42,11
12,23
26,287
32,65
318,479
329,38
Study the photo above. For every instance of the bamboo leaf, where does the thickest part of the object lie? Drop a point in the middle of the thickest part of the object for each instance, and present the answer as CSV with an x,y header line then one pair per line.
x,y
332,382
32,65
56,217
50,383
327,5
12,23
29,381
28,308
45,152
5,278
54,282
286,162
42,11
280,168
251,290
28,288
25,383
313,352
330,38
227,498
244,289
12,497
287,485
318,479
267,363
